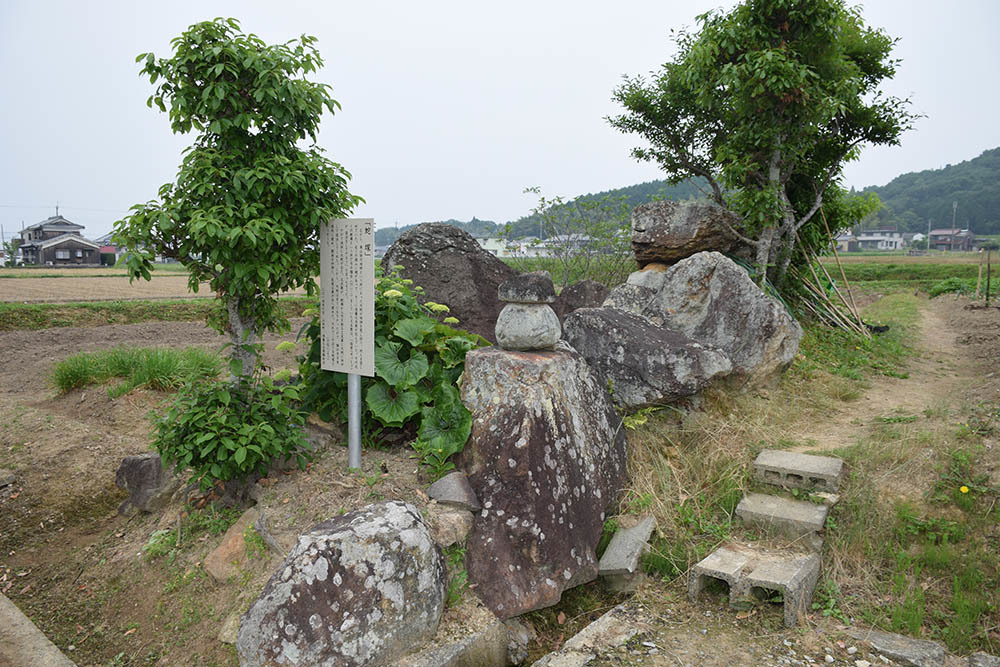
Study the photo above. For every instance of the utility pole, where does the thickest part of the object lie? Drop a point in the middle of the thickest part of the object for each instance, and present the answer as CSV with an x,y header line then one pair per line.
x,y
929,221
954,208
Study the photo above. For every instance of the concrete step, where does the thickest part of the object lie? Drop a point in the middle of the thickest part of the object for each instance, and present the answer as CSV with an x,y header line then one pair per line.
x,y
799,471
795,519
753,575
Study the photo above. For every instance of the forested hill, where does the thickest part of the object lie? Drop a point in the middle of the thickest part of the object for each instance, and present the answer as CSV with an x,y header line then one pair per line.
x,y
528,225
911,200
908,201
632,195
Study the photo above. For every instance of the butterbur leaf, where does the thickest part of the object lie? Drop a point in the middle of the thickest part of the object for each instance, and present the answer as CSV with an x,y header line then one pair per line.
x,y
391,407
399,373
445,428
414,329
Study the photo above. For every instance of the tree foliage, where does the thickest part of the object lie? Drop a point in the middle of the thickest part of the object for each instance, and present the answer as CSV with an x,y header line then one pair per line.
x,y
245,210
767,103
586,238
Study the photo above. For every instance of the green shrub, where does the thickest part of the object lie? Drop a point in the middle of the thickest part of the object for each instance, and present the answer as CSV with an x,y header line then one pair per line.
x,y
418,361
226,432
951,286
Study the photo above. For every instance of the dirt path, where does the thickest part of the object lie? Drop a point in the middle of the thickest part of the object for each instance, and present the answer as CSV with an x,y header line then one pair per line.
x,y
105,288
936,374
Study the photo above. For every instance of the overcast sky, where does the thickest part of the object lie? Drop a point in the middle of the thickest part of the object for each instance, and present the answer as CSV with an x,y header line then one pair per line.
x,y
450,109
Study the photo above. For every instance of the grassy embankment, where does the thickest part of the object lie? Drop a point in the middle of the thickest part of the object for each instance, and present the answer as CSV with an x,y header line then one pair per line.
x,y
15,316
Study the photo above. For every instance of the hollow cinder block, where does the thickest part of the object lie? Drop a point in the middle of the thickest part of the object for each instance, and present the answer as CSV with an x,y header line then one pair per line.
x,y
801,471
792,575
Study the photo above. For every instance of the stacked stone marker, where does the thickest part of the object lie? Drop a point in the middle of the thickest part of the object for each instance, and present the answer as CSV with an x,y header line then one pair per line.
x,y
528,322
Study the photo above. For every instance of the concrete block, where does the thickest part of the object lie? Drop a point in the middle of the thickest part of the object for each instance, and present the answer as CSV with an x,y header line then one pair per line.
x,y
802,471
902,649
793,518
23,643
725,563
792,575
620,562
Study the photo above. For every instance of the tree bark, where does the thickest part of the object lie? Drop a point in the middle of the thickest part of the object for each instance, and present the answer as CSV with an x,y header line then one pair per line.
x,y
243,337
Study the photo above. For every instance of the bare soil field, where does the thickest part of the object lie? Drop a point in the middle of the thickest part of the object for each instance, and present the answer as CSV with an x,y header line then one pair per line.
x,y
85,576
97,288
933,258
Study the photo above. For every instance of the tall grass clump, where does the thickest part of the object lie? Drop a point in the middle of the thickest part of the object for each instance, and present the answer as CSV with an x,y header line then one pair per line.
x,y
161,369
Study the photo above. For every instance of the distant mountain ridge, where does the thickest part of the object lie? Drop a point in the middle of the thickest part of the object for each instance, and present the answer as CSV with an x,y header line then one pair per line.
x,y
909,201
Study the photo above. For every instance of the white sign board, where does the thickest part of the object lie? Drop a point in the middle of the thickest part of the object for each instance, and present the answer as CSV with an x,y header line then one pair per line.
x,y
347,296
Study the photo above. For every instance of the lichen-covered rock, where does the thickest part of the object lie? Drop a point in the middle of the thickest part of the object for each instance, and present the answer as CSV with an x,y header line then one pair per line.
x,y
650,276
358,589
583,294
546,458
533,287
150,487
712,300
669,231
527,326
629,297
454,270
644,364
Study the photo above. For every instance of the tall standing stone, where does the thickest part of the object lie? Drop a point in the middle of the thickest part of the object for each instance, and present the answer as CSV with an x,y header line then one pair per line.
x,y
546,458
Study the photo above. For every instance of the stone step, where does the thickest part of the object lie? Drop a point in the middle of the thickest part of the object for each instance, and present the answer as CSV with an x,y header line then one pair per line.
x,y
752,574
800,471
796,519
620,563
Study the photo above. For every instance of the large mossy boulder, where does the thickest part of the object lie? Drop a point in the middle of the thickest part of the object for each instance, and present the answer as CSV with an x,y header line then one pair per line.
x,y
454,270
362,588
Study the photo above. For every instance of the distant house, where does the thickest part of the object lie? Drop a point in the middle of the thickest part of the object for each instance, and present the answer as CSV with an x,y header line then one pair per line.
x,y
953,239
56,241
846,242
880,239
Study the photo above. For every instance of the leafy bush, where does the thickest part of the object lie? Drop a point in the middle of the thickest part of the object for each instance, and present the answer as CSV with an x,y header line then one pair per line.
x,y
950,285
418,361
157,368
226,432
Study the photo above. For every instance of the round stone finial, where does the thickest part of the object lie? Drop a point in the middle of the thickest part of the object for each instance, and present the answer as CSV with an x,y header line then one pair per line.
x,y
524,327
533,287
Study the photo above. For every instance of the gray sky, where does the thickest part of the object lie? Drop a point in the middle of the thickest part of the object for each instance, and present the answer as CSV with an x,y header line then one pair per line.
x,y
450,109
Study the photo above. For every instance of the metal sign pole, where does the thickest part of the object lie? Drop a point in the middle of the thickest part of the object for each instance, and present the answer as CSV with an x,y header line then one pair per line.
x,y
353,420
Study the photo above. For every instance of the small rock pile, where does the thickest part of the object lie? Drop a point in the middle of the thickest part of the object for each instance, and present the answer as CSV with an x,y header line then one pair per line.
x,y
527,321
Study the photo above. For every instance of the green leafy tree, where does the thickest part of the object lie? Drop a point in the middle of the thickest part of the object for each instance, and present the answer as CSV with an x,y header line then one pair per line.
x,y
586,238
767,103
10,251
245,211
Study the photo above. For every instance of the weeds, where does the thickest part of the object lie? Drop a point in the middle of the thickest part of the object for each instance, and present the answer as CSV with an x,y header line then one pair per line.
x,y
161,369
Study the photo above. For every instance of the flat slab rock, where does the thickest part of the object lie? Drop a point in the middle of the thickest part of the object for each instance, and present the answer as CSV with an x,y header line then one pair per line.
x,y
546,458
902,649
613,629
361,588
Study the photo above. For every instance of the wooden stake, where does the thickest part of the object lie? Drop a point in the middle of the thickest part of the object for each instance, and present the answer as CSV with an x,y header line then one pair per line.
x,y
979,279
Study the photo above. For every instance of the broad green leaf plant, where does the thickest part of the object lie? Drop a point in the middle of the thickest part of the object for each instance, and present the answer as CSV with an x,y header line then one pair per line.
x,y
419,358
245,211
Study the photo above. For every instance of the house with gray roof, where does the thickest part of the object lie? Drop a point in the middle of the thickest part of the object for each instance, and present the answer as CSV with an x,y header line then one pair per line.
x,y
56,241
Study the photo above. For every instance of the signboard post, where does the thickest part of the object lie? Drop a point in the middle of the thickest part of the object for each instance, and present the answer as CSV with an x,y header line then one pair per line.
x,y
347,313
